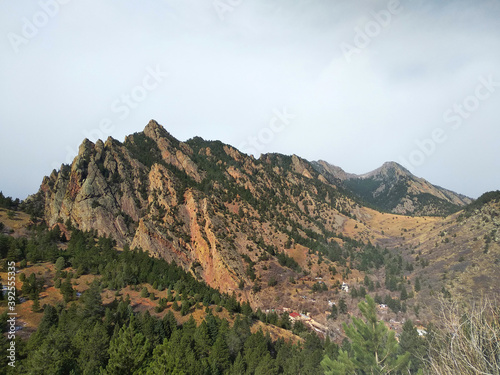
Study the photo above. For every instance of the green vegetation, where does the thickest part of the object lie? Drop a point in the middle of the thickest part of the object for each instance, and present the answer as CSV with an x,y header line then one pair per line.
x,y
8,202
287,261
373,347
491,196
124,342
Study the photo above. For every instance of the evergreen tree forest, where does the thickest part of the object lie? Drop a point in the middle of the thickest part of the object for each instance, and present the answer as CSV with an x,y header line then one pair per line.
x,y
82,334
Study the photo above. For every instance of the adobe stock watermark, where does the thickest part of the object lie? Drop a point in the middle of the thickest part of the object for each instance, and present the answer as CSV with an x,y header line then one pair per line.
x,y
255,144
455,117
11,314
364,36
225,6
30,27
121,108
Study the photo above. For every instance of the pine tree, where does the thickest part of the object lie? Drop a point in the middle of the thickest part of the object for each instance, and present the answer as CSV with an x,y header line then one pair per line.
x,y
411,342
238,366
342,306
202,340
60,263
169,324
213,326
299,327
67,290
404,294
45,359
189,327
312,353
219,358
267,366
128,351
237,335
288,359
93,347
334,313
255,348
284,321
417,284
148,327
185,308
246,309
168,357
92,301
374,348
4,346
36,303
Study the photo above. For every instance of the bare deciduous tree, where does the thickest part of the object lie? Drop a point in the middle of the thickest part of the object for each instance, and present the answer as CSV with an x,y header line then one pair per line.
x,y
468,341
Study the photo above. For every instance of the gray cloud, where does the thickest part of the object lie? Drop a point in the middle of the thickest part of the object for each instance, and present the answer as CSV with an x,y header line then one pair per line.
x,y
227,77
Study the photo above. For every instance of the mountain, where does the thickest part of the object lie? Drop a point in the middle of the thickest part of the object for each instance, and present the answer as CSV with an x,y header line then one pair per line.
x,y
222,214
392,188
277,238
267,229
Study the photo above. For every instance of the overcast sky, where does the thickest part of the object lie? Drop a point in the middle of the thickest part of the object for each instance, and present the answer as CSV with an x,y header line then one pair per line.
x,y
355,83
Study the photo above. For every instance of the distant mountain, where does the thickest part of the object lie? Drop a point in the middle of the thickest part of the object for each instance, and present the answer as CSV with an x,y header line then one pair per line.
x,y
392,188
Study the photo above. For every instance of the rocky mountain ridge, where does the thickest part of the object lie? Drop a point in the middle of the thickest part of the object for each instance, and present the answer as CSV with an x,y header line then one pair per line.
x,y
239,223
194,202
392,188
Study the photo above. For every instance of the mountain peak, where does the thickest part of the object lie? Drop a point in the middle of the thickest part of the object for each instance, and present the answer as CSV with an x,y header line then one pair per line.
x,y
86,146
153,124
389,168
392,164
155,131
332,170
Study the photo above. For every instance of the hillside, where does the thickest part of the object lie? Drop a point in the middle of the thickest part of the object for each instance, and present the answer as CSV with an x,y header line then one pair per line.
x,y
460,256
79,305
457,255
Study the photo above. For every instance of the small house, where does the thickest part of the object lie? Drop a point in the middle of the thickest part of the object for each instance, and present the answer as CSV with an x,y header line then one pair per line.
x,y
294,316
345,287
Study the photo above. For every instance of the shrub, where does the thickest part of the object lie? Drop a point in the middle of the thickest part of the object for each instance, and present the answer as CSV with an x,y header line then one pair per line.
x,y
468,342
